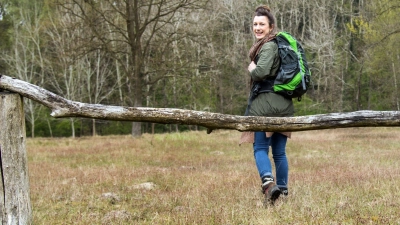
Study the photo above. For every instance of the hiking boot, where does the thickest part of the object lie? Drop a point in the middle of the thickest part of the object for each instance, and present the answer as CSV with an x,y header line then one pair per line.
x,y
270,190
284,191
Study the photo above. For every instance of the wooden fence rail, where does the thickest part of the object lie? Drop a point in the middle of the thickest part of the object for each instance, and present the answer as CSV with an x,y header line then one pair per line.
x,y
62,107
14,200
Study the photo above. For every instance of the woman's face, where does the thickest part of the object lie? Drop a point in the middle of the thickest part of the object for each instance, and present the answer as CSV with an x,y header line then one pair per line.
x,y
261,27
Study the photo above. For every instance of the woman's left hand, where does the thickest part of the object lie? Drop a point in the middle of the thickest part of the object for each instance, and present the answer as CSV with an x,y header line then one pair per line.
x,y
252,66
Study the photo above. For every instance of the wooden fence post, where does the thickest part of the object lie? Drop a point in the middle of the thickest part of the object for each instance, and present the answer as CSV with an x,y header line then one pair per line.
x,y
15,206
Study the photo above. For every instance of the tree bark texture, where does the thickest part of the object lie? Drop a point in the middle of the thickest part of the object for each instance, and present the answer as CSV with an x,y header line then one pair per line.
x,y
62,107
14,198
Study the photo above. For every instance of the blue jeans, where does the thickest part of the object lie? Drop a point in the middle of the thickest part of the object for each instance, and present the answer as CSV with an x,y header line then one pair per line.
x,y
261,148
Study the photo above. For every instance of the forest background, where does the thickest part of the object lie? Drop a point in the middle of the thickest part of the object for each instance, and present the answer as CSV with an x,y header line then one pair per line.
x,y
192,54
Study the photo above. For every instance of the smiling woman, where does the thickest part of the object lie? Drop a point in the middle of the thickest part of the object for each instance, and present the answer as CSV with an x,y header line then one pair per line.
x,y
261,27
263,101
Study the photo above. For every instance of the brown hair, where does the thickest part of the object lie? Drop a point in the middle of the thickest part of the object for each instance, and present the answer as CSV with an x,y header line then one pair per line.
x,y
265,11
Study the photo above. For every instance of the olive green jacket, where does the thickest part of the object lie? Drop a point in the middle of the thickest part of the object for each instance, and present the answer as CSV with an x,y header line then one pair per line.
x,y
269,104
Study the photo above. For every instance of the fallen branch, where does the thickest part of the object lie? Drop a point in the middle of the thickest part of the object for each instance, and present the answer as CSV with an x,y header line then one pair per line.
x,y
62,107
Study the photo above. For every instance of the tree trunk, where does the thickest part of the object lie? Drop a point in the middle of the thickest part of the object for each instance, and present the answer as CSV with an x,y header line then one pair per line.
x,y
32,124
134,37
15,204
50,130
94,128
395,86
358,94
72,127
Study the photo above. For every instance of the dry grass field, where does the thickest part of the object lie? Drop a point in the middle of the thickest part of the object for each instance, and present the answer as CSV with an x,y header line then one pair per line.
x,y
342,176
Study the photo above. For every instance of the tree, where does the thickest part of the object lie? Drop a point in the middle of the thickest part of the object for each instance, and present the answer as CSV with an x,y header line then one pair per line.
x,y
65,74
5,28
231,38
381,32
25,59
135,25
99,83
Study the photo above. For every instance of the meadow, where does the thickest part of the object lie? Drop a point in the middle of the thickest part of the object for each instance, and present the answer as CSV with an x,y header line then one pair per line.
x,y
340,176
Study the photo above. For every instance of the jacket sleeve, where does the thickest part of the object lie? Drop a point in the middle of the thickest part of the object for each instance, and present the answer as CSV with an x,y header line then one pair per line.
x,y
266,60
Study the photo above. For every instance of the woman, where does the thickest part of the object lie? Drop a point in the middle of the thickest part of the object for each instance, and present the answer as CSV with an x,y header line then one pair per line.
x,y
263,101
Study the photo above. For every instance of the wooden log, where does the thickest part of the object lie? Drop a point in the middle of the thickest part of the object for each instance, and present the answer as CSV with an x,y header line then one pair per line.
x,y
15,204
62,107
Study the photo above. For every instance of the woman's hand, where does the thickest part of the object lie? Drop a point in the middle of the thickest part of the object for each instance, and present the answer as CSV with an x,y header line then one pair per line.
x,y
252,66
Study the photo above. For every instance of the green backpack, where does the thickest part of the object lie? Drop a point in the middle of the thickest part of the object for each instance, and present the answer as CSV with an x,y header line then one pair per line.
x,y
294,77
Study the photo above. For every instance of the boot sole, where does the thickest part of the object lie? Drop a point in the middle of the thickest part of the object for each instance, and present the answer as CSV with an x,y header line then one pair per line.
x,y
275,193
